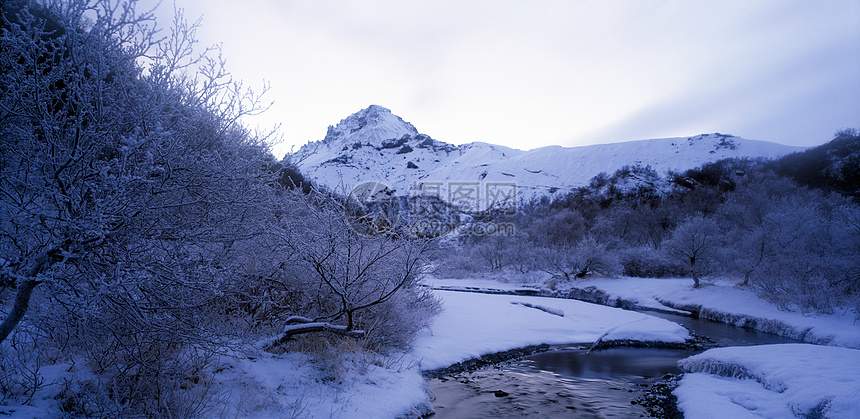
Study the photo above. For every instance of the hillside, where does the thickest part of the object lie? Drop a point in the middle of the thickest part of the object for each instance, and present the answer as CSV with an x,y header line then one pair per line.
x,y
834,166
376,145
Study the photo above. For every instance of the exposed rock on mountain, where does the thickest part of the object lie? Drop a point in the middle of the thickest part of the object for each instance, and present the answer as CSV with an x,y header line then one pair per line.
x,y
376,145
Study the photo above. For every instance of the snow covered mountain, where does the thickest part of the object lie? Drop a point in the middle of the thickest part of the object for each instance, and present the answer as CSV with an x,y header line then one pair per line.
x,y
374,145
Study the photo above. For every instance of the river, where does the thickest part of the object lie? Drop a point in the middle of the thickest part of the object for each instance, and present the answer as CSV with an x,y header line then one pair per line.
x,y
572,383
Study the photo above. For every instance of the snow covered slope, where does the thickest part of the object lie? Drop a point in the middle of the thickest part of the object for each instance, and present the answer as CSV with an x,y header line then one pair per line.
x,y
376,145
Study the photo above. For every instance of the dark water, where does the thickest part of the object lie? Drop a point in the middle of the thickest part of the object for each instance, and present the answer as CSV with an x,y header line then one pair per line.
x,y
723,334
573,383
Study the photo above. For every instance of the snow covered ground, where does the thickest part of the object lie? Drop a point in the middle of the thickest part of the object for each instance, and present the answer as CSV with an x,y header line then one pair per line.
x,y
259,384
722,300
767,381
759,381
476,324
771,381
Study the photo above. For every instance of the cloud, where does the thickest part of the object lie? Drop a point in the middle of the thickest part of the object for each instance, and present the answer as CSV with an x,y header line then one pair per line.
x,y
526,74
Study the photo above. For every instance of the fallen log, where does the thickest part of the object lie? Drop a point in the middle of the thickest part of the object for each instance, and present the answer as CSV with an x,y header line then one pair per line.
x,y
298,325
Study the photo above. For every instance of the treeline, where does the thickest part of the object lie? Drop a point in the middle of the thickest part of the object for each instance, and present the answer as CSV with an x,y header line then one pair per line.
x,y
834,166
144,230
788,228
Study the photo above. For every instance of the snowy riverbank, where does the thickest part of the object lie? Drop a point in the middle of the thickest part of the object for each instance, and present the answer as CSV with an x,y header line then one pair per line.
x,y
476,324
784,380
718,300
722,300
357,385
471,325
770,381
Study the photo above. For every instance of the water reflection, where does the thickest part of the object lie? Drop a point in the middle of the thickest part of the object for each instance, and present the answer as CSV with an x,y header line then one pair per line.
x,y
723,334
549,385
639,362
574,383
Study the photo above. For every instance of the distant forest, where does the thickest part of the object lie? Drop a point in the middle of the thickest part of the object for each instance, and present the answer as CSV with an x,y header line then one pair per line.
x,y
789,228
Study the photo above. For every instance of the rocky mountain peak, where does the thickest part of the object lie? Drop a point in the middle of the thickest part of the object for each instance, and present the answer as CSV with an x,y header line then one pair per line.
x,y
370,126
374,145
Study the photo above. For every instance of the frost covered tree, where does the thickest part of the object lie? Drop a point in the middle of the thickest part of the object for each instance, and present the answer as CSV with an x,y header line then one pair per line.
x,y
493,251
357,285
794,246
695,241
744,214
104,160
141,226
127,190
809,253
585,258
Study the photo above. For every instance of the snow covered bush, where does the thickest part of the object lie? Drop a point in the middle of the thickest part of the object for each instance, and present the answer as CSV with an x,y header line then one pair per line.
x,y
645,262
457,262
808,255
586,258
496,255
354,284
127,185
694,242
491,252
796,247
20,362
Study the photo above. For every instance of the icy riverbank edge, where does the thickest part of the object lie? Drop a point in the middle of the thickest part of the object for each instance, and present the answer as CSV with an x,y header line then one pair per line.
x,y
766,381
818,379
481,329
718,300
253,383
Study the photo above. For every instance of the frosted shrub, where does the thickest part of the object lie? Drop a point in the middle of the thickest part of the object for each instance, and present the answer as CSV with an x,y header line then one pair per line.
x,y
21,358
172,386
351,284
645,262
127,187
493,252
806,253
461,262
586,258
396,323
793,289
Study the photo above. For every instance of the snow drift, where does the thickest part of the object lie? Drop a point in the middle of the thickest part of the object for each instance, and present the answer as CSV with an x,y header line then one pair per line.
x,y
809,380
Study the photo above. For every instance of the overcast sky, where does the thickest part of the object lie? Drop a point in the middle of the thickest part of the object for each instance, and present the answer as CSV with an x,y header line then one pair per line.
x,y
533,73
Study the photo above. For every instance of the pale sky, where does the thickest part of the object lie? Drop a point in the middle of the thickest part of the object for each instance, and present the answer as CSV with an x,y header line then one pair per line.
x,y
531,73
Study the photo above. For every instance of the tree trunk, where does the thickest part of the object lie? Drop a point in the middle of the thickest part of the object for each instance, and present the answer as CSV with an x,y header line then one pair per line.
x,y
693,272
349,325
22,298
22,302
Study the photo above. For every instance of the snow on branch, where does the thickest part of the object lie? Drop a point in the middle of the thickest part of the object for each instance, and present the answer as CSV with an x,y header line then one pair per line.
x,y
298,325
297,319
